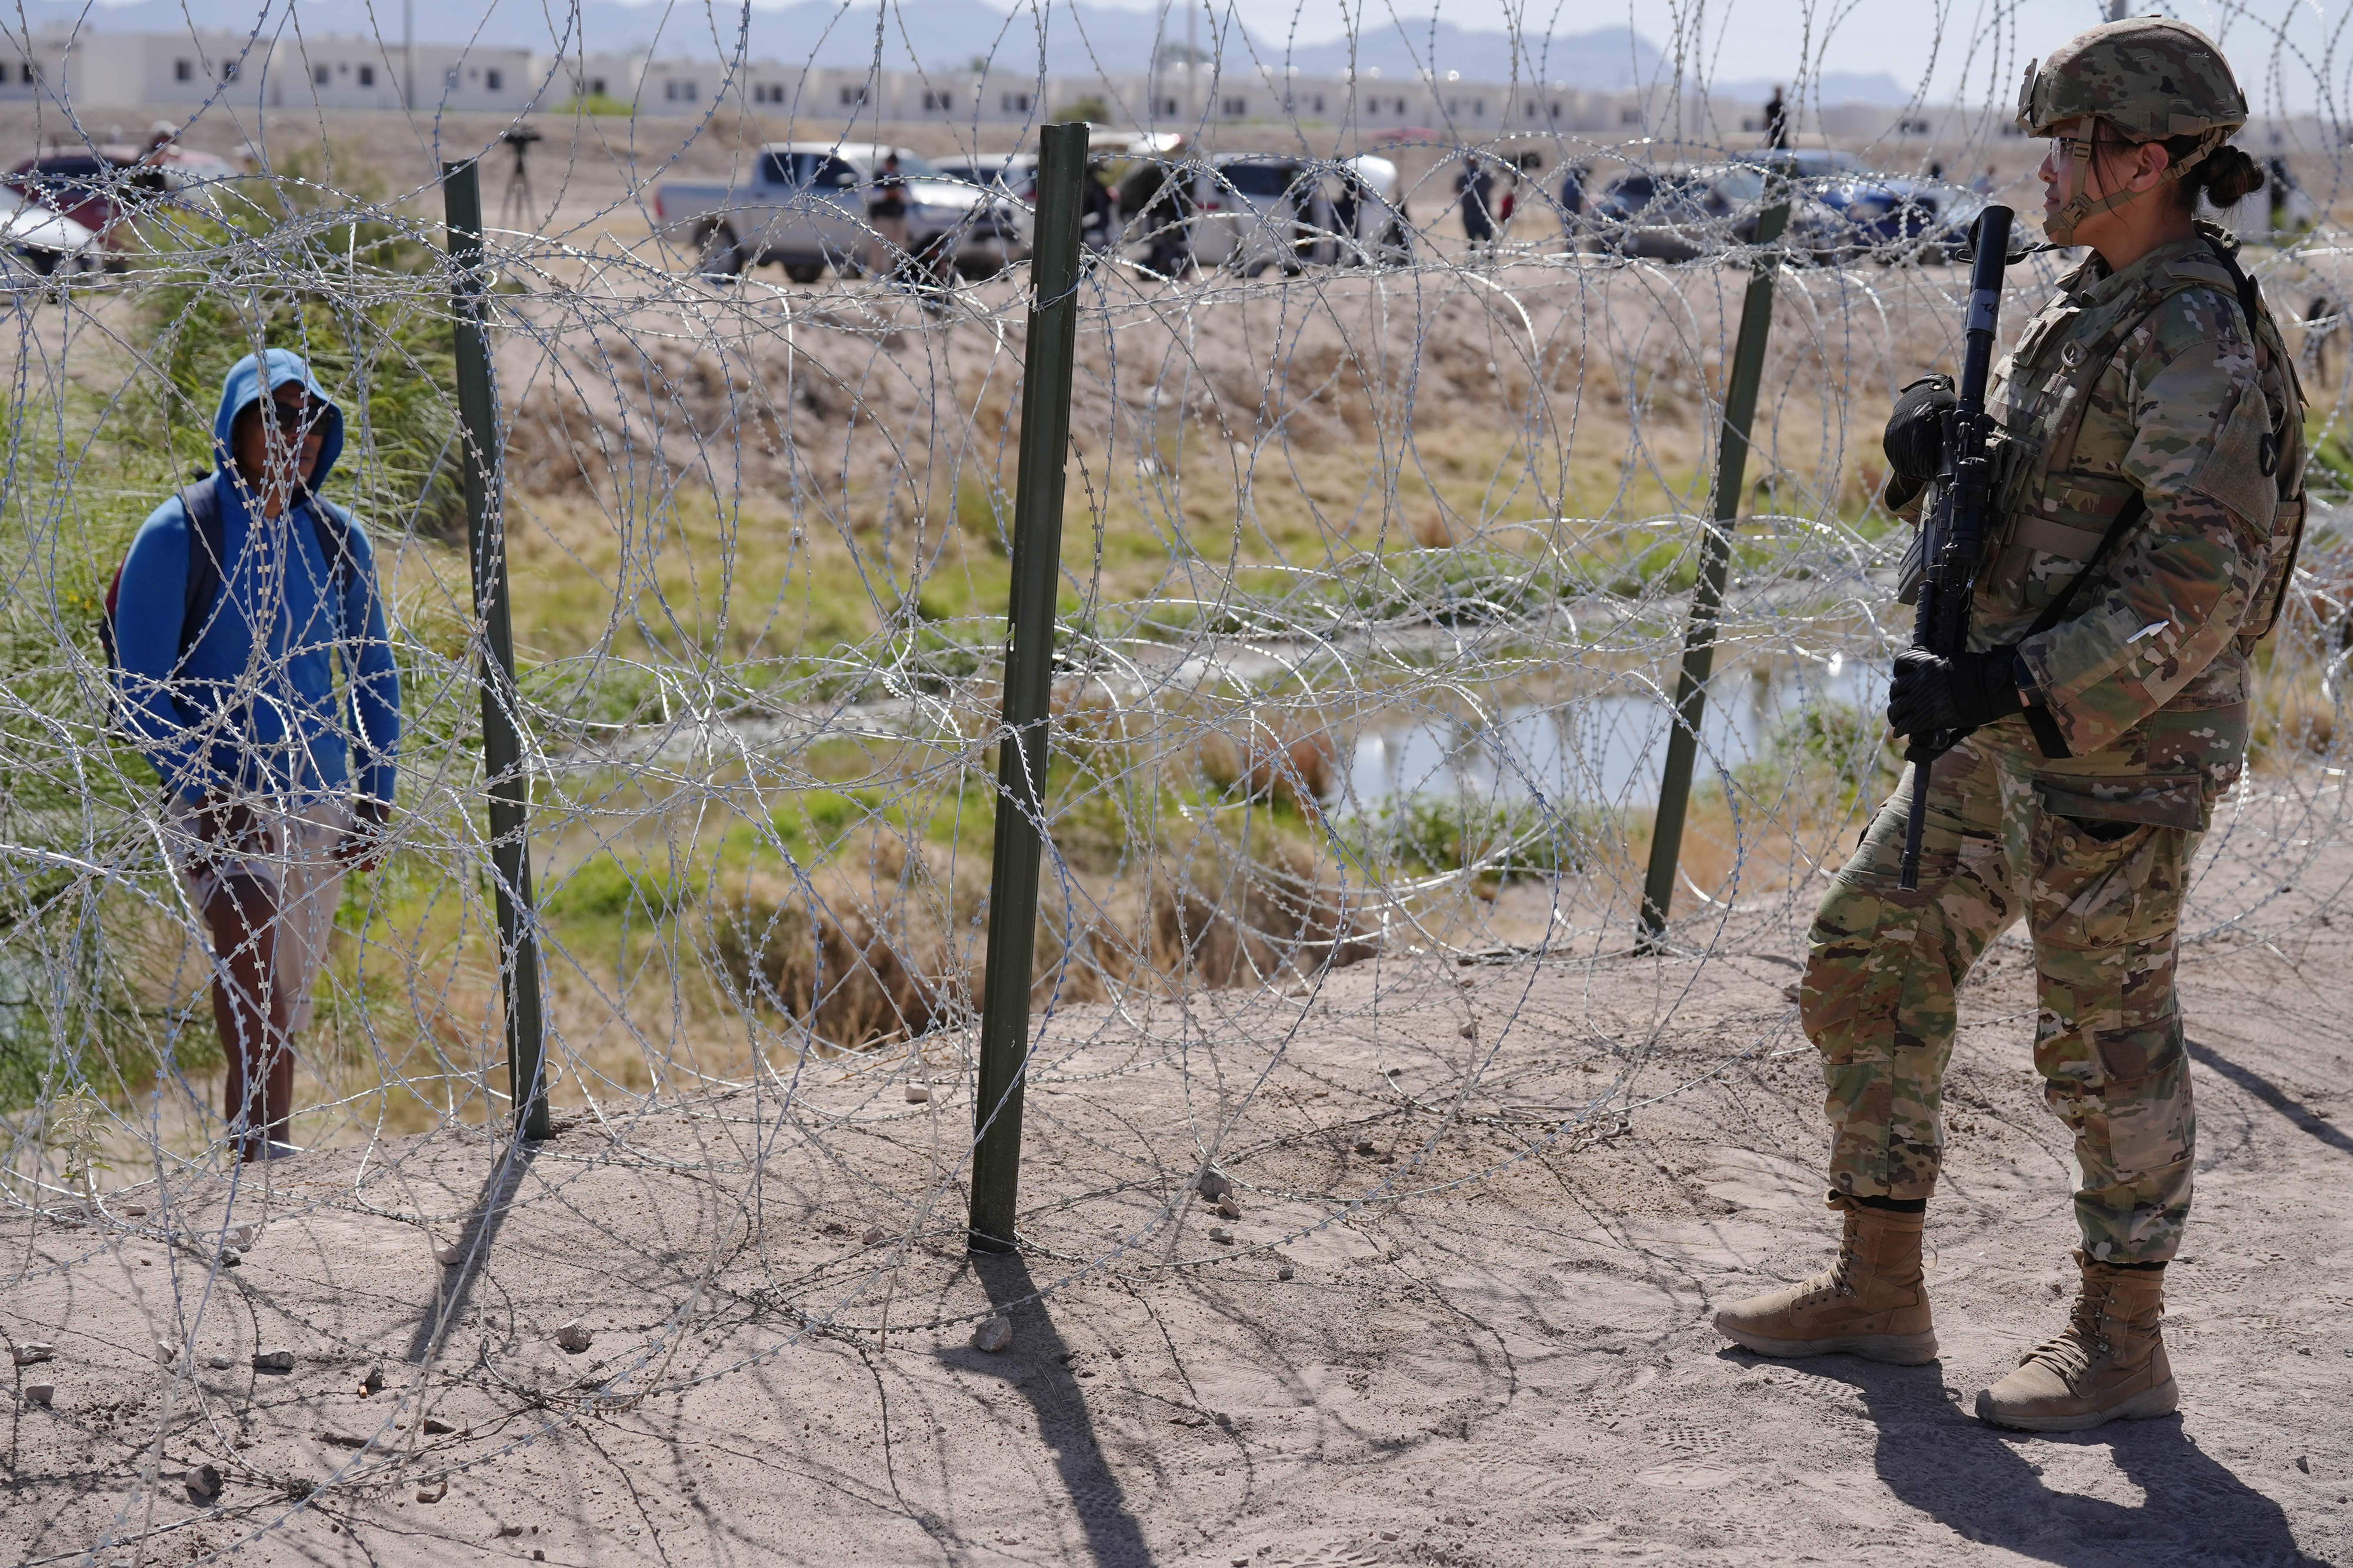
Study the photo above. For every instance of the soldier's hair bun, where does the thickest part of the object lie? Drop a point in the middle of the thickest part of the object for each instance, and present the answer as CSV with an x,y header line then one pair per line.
x,y
2227,176
2224,177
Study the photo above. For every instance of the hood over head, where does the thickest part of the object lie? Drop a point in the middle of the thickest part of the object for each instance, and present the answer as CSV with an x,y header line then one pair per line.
x,y
243,386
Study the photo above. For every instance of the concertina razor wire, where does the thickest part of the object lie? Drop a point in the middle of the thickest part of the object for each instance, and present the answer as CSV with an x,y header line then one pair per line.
x,y
1379,546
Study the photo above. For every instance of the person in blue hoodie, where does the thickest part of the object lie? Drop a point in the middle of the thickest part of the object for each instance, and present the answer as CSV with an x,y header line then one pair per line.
x,y
276,778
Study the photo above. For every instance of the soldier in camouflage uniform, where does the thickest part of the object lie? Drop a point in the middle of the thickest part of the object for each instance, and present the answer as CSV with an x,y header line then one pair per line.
x,y
2147,507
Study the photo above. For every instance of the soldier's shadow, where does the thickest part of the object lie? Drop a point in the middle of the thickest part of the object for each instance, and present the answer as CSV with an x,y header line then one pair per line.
x,y
1988,1484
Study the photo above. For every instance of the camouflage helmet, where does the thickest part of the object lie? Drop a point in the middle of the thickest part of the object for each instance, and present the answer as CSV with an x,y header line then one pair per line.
x,y
2150,77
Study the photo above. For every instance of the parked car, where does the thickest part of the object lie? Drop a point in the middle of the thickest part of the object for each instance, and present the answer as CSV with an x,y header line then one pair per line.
x,y
44,243
1901,219
108,189
805,210
1673,213
1252,213
1840,211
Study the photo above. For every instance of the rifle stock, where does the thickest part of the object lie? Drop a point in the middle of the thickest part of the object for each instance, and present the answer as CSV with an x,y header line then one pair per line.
x,y
1956,518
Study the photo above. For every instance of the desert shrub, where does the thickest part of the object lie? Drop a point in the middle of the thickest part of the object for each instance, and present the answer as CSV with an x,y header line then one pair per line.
x,y
381,345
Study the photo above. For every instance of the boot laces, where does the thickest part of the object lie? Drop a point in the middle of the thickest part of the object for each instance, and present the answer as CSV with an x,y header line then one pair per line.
x,y
2082,1341
1838,1278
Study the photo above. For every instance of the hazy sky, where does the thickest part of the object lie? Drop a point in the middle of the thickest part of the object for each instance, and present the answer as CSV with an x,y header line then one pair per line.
x,y
2287,55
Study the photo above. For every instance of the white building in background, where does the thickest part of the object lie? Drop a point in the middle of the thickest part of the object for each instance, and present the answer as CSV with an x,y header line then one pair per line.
x,y
130,77
179,71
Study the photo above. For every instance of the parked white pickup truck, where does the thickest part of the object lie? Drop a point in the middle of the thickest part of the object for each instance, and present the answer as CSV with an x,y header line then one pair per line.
x,y
805,208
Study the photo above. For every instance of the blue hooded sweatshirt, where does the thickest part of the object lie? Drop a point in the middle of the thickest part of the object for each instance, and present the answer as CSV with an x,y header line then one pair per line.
x,y
253,708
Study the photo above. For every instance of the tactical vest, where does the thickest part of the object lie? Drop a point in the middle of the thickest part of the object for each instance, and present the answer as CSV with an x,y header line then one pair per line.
x,y
2055,509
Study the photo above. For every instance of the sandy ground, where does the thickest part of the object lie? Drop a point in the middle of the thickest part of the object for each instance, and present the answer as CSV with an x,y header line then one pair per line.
x,y
1492,1349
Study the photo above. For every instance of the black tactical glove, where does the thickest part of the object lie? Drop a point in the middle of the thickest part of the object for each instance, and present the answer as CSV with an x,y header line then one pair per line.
x,y
1914,437
1929,694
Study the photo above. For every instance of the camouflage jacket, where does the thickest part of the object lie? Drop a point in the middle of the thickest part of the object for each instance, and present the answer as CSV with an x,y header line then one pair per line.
x,y
2150,387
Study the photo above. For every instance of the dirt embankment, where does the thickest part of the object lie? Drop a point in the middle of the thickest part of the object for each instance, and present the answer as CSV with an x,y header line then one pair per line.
x,y
1436,1332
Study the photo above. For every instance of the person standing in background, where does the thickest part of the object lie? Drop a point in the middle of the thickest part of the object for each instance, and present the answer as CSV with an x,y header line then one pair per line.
x,y
886,213
239,601
1777,120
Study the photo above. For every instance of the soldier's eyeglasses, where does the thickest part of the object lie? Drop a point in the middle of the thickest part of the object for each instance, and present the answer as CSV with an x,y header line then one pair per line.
x,y
292,417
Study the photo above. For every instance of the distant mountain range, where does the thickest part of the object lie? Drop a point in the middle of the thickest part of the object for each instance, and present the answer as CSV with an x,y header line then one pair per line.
x,y
945,34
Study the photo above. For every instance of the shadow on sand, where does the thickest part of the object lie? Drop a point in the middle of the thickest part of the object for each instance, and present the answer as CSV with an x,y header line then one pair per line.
x,y
1037,1368
1987,1484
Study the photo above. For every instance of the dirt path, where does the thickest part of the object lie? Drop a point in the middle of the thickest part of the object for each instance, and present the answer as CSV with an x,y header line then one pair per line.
x,y
1515,1369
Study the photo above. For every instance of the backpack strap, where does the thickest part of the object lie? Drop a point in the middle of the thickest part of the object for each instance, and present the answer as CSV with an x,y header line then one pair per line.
x,y
331,526
207,556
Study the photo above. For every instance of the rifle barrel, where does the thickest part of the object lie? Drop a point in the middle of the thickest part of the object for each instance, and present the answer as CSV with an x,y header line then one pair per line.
x,y
1956,524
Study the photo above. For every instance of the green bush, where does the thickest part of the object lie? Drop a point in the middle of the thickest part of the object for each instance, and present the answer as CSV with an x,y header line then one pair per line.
x,y
1509,841
291,263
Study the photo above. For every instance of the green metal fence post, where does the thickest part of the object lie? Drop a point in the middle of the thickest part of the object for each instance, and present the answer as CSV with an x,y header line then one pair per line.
x,y
507,776
1028,685
1707,597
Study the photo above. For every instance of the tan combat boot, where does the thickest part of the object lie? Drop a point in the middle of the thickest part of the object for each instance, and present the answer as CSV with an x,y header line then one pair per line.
x,y
2109,1365
1872,1302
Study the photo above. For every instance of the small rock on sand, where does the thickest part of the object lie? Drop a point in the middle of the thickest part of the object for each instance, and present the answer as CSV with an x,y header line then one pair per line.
x,y
1469,1031
1220,1234
993,1335
220,1363
1229,1208
230,1257
449,1255
32,1351
204,1483
241,1237
572,1337
434,1492
41,1393
166,1353
1214,1185
342,1439
374,1381
874,1233
135,1210
917,1094
273,1361
1364,1146
1286,1272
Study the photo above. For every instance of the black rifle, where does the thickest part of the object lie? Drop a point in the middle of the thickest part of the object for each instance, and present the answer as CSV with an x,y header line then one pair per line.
x,y
1956,518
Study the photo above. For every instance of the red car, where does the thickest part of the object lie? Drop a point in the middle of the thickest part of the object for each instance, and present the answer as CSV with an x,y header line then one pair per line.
x,y
105,188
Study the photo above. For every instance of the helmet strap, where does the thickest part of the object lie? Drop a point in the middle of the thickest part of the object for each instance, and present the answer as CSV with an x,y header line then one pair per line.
x,y
2061,226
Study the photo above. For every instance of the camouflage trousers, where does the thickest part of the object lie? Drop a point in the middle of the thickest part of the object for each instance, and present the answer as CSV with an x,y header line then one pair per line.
x,y
1883,965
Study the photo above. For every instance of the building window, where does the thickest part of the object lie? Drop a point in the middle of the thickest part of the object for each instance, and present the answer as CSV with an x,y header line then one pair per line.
x,y
1319,103
1014,102
367,75
29,73
1167,106
1629,117
1478,108
595,86
1235,107
936,103
182,70
322,75
853,97
493,80
1556,112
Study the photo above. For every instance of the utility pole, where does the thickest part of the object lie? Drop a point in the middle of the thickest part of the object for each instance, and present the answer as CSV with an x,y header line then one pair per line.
x,y
1192,61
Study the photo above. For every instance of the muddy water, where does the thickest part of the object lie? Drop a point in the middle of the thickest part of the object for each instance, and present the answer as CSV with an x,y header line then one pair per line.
x,y
1608,749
